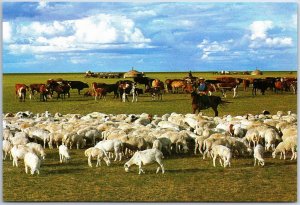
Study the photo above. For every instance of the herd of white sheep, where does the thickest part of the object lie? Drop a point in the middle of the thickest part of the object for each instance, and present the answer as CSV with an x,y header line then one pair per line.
x,y
145,138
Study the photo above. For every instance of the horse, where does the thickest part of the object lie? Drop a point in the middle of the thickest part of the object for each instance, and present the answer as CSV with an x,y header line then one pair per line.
x,y
205,102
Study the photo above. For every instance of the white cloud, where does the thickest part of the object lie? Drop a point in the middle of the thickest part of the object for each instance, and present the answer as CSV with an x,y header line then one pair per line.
x,y
259,29
77,60
94,32
145,13
294,20
209,48
260,38
7,31
36,29
42,4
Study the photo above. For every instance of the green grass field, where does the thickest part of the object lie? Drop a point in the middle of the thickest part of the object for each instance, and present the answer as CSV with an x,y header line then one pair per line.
x,y
187,178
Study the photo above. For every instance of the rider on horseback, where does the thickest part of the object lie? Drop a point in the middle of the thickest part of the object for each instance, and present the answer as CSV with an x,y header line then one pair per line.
x,y
203,91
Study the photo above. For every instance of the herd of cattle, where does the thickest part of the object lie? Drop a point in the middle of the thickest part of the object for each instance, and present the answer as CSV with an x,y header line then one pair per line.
x,y
122,88
146,139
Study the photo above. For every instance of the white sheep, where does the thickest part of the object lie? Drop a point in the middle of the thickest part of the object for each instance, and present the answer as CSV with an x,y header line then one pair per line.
x,y
271,136
93,152
18,152
115,146
157,144
6,147
32,161
145,157
223,152
37,149
64,155
258,155
288,145
20,138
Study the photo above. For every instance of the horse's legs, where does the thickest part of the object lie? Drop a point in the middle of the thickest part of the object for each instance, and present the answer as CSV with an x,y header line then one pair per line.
x,y
215,110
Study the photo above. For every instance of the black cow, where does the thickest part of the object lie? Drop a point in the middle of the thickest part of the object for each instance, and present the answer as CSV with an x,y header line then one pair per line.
x,y
143,80
262,85
78,85
108,88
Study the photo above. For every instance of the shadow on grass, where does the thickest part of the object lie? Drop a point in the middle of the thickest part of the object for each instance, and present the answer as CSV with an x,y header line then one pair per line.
x,y
194,170
63,171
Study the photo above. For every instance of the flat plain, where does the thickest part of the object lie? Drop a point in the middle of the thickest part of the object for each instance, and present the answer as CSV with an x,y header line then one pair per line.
x,y
188,177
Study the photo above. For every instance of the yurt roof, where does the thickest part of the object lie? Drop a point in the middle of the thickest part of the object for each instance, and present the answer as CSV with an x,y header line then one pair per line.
x,y
131,73
256,72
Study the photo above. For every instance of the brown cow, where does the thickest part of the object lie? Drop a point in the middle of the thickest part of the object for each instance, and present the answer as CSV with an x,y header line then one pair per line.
x,y
34,88
176,84
100,92
228,83
246,84
20,90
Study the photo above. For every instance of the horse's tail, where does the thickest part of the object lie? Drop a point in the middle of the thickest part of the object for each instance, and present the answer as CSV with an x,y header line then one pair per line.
x,y
224,102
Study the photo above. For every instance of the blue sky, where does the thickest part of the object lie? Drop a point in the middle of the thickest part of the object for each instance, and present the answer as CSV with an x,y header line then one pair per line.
x,y
110,36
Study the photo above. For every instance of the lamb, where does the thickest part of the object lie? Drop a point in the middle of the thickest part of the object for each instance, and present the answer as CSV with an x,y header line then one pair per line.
x,y
282,147
74,138
177,139
63,153
253,136
18,152
258,155
20,138
6,147
93,152
134,143
270,139
41,134
114,145
32,161
145,157
223,152
157,144
37,149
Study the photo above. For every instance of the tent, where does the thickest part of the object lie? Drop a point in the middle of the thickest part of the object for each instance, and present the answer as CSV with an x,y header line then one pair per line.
x,y
132,73
256,72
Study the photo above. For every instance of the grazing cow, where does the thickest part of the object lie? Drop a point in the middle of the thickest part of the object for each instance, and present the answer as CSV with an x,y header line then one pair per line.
x,y
168,86
99,93
228,83
21,91
143,80
260,84
44,93
189,88
108,87
155,92
124,88
34,88
78,85
59,88
279,86
176,84
246,84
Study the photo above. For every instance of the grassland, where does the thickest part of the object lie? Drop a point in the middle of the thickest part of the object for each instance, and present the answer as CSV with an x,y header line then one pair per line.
x,y
180,103
187,177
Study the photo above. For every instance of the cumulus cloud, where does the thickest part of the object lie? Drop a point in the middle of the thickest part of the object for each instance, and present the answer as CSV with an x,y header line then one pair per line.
x,y
7,31
94,32
259,29
260,38
209,48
